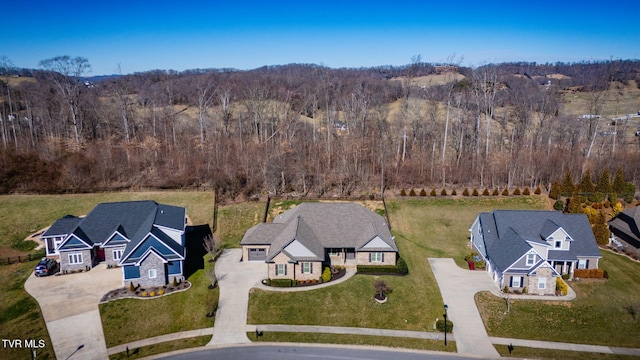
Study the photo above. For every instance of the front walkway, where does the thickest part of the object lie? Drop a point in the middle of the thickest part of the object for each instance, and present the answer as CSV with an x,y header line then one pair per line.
x,y
69,305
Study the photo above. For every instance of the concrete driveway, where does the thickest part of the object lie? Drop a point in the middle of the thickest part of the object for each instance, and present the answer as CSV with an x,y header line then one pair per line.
x,y
235,279
69,305
458,287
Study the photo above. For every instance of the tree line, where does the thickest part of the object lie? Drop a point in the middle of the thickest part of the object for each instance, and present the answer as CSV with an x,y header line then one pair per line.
x,y
305,129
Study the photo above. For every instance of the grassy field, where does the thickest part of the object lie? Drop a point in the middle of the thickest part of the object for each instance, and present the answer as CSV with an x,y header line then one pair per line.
x,y
598,316
386,341
423,228
20,316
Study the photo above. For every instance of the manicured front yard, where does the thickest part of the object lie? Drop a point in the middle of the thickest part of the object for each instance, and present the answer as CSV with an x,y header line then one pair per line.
x,y
423,228
598,316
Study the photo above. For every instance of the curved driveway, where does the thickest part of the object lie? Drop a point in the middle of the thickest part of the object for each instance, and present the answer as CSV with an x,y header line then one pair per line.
x,y
69,305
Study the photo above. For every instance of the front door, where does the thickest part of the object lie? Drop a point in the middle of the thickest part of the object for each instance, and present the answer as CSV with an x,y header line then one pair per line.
x,y
351,253
100,254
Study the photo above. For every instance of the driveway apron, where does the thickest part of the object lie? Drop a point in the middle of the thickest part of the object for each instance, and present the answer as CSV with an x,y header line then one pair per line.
x,y
69,305
235,279
458,287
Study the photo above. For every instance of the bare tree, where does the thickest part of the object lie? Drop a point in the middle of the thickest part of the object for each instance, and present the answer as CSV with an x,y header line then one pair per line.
x,y
213,246
65,72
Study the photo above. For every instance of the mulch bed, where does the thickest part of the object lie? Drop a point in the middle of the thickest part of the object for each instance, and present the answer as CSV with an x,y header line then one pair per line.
x,y
124,293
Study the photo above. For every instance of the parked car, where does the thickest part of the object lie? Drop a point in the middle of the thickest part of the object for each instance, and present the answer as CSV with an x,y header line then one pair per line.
x,y
46,267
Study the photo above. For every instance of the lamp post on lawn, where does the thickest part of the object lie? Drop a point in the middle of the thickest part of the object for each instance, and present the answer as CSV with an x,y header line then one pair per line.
x,y
445,324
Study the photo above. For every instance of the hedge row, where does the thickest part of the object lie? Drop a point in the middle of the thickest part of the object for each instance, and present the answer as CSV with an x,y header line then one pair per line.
x,y
400,268
475,192
589,273
561,286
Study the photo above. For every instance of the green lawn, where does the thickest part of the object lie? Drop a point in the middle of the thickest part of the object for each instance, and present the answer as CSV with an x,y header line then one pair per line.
x,y
20,316
423,228
597,316
394,342
128,320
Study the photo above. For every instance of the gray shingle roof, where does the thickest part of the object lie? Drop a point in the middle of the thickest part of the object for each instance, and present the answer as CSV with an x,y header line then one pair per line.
x,y
134,219
318,226
62,226
506,233
627,222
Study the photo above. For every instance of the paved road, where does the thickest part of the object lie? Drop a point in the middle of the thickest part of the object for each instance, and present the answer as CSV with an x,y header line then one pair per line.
x,y
69,305
235,279
286,351
458,287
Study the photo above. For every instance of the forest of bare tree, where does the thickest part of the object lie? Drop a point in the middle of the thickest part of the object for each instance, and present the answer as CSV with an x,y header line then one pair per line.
x,y
305,129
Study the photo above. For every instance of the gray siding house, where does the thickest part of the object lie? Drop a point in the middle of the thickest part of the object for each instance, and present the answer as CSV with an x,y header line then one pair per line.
x,y
302,241
145,238
531,248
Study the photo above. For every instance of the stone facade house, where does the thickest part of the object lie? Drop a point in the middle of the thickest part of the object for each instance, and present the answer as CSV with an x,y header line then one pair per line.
x,y
144,238
300,242
529,249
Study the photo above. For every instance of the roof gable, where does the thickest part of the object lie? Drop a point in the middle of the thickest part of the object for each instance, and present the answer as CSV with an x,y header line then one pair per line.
x,y
376,244
297,249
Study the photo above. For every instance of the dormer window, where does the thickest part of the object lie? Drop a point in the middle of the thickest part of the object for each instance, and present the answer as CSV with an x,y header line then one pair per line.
x,y
558,244
531,258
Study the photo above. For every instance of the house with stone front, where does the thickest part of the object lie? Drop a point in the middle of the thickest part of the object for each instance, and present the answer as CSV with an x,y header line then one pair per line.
x,y
300,242
145,239
529,249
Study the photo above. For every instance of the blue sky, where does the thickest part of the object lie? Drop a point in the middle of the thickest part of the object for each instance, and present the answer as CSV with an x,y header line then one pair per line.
x,y
180,35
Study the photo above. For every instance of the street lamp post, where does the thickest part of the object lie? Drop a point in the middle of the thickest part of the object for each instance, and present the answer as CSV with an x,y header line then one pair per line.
x,y
445,324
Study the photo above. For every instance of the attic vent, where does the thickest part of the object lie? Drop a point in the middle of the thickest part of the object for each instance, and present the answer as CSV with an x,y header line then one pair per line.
x,y
161,211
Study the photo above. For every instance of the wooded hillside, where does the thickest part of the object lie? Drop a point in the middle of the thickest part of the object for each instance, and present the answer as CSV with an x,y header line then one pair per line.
x,y
308,129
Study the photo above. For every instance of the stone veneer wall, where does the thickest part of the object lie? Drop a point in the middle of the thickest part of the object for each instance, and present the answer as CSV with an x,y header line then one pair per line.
x,y
152,262
86,261
389,258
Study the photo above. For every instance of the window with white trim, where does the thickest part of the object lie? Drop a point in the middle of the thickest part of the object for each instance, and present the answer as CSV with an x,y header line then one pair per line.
x,y
582,263
376,257
306,268
117,254
152,273
558,244
515,281
281,269
75,258
542,283
531,258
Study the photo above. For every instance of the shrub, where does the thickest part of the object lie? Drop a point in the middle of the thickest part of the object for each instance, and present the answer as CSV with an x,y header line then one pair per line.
x,y
160,292
326,274
613,197
516,191
440,325
132,288
444,192
412,192
465,192
280,282
401,266
559,205
403,192
607,204
596,197
380,269
555,191
152,294
561,286
505,192
422,192
144,294
588,273
454,192
524,290
495,192
433,192
526,192
485,192
538,191
175,281
475,192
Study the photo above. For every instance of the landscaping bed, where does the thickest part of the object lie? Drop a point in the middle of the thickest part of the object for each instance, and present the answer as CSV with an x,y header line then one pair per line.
x,y
145,293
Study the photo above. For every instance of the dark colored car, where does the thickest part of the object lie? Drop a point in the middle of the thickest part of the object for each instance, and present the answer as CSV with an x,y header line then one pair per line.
x,y
46,267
